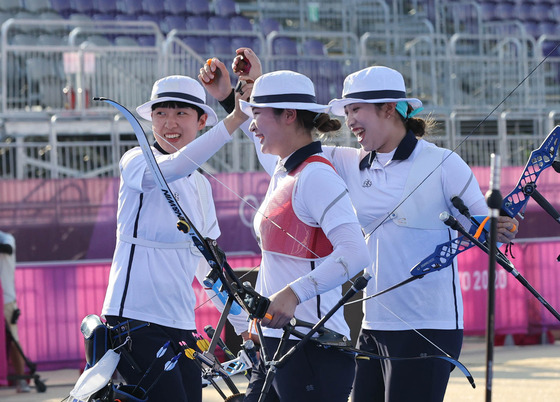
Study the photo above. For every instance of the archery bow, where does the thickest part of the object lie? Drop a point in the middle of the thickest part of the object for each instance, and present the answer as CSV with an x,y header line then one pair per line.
x,y
329,338
540,159
513,204
516,201
252,302
252,295
255,304
500,259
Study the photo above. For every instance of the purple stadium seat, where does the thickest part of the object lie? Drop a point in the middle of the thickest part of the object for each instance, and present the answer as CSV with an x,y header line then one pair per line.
x,y
268,25
240,23
487,11
198,7
146,40
314,47
132,7
245,41
156,8
197,22
532,28
549,49
85,7
216,23
541,12
173,22
504,11
523,11
176,7
144,17
220,45
102,17
555,12
548,28
284,46
63,7
37,6
323,90
128,17
225,8
108,7
197,44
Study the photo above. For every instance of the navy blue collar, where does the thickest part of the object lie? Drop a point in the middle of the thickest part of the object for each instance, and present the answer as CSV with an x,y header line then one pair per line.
x,y
302,154
163,151
403,151
160,149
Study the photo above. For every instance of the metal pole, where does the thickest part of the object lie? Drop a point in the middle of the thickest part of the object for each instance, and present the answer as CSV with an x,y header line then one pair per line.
x,y
494,201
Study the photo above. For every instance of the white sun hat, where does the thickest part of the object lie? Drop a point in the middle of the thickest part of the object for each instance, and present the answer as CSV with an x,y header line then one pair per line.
x,y
178,88
375,84
283,89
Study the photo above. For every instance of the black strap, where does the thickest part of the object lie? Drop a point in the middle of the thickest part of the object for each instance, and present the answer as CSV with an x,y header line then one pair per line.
x,y
229,103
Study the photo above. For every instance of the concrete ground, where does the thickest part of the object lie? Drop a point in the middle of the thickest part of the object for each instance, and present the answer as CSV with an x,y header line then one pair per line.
x,y
521,373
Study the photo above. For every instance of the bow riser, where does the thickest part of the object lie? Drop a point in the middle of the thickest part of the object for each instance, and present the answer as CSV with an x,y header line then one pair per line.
x,y
442,257
540,159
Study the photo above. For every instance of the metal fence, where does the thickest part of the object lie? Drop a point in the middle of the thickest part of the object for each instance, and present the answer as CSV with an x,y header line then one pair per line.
x,y
50,127
69,146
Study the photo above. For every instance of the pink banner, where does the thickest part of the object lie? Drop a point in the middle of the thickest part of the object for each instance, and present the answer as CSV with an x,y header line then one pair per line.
x,y
54,298
511,311
74,220
79,215
3,355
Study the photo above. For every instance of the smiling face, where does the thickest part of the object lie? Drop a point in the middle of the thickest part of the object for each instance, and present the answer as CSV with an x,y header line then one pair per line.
x,y
374,126
269,129
176,127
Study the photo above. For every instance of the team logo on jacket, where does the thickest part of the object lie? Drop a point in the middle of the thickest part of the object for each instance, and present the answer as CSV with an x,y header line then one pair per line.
x,y
367,183
176,196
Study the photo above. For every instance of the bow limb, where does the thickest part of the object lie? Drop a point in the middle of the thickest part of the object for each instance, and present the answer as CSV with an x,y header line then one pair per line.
x,y
541,158
328,338
360,354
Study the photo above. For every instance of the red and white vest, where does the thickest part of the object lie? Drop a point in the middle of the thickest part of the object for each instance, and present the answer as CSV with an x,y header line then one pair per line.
x,y
282,232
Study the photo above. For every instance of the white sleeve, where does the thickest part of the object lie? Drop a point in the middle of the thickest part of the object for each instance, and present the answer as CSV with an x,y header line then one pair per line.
x,y
459,180
240,321
343,158
350,256
177,165
332,208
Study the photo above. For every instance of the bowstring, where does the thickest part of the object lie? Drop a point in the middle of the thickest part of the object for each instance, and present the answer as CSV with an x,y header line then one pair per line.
x,y
412,328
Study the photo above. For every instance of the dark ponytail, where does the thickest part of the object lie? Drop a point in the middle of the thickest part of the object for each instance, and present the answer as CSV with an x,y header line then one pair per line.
x,y
313,120
324,124
419,126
